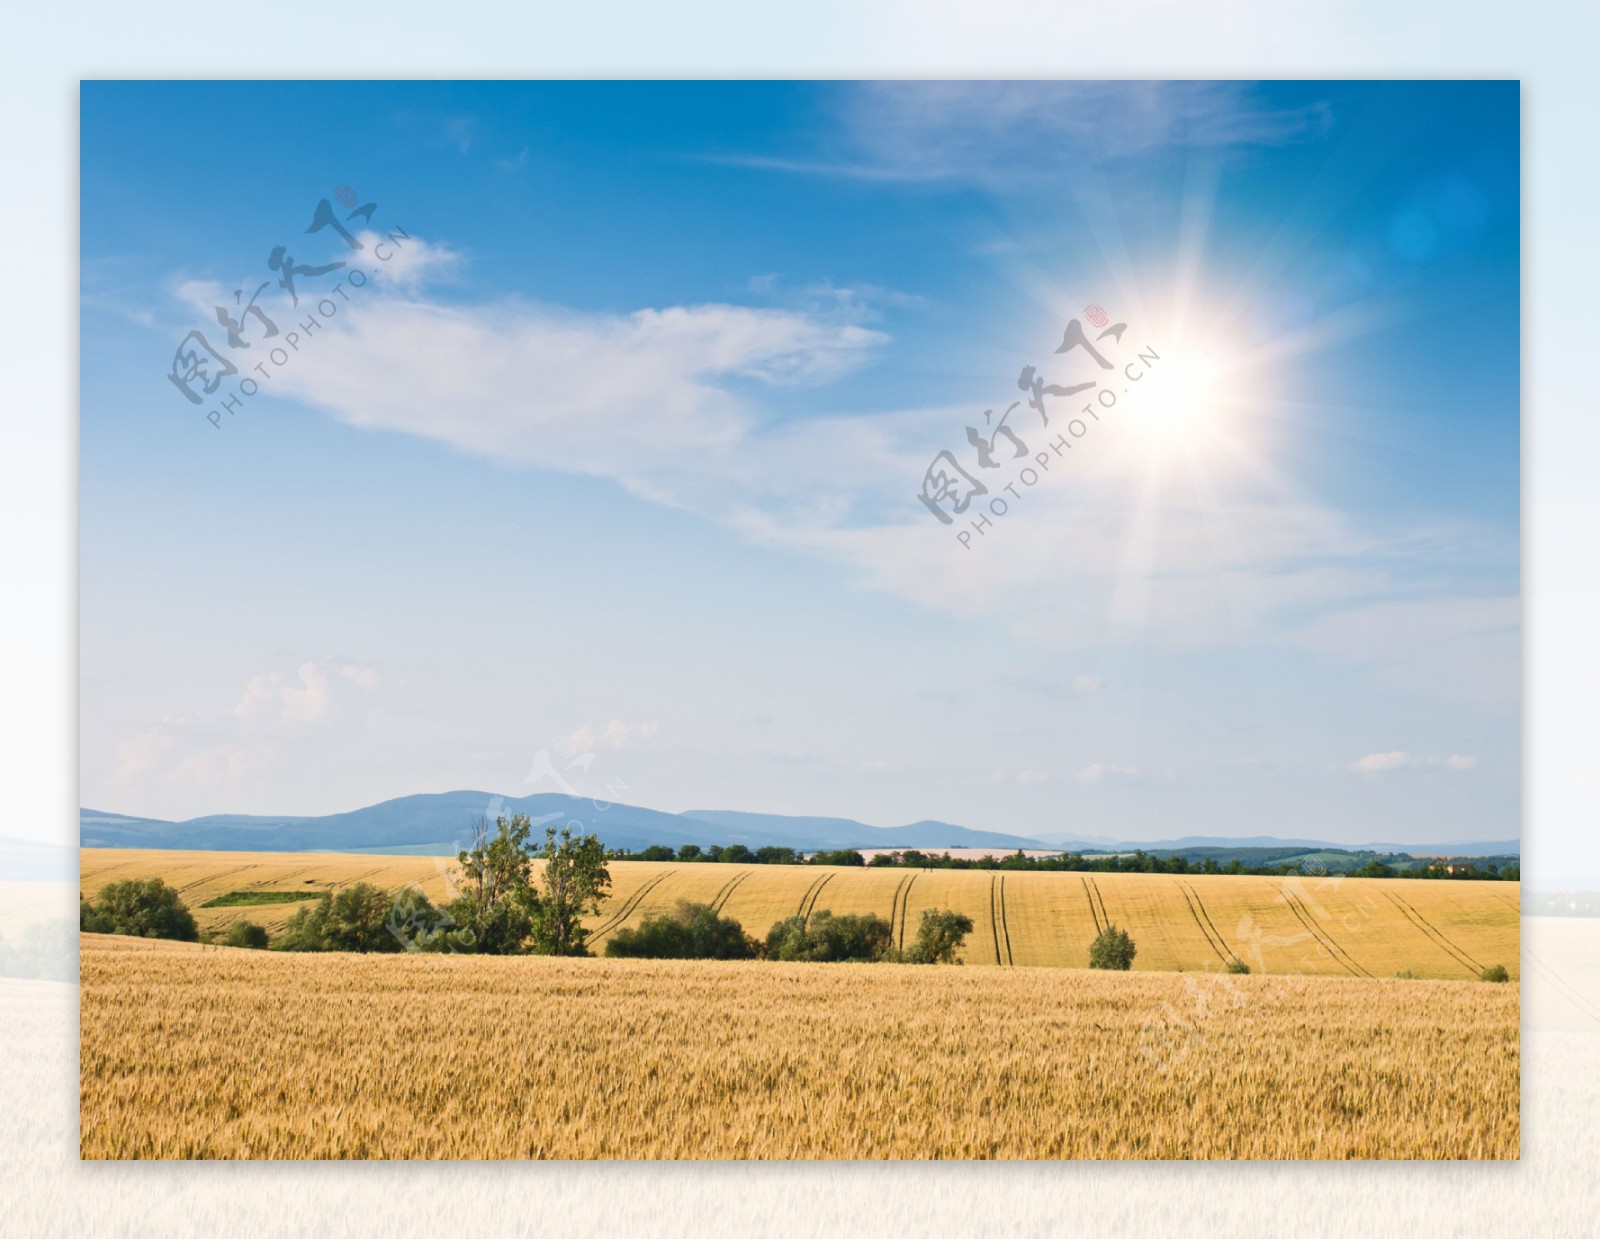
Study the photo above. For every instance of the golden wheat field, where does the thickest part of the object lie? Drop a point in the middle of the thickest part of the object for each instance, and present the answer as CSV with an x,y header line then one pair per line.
x,y
210,1052
1336,927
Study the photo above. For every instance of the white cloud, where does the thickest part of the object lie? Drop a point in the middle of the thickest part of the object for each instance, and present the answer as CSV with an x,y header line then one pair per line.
x,y
365,677
1399,760
275,715
412,261
1032,777
1392,761
992,132
1083,682
614,734
308,697
1097,772
621,396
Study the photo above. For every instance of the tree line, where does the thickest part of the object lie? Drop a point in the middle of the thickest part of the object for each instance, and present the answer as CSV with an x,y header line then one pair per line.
x,y
1137,862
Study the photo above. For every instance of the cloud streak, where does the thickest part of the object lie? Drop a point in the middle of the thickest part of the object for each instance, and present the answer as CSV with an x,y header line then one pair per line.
x,y
1008,134
1399,760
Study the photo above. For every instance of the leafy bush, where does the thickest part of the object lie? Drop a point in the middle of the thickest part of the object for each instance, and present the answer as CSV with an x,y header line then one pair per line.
x,y
940,935
1238,966
859,937
355,919
244,934
1495,973
1112,949
143,907
690,932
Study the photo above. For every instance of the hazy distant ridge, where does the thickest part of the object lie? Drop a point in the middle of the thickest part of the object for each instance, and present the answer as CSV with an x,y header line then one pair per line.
x,y
441,823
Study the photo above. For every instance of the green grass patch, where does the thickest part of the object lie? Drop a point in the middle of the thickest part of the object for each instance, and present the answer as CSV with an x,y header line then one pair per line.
x,y
234,898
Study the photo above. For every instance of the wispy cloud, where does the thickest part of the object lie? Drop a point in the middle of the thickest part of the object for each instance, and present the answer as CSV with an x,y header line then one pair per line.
x,y
1099,772
612,734
1014,133
1399,760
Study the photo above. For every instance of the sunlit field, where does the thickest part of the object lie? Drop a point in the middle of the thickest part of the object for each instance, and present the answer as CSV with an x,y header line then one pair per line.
x,y
211,1052
1336,927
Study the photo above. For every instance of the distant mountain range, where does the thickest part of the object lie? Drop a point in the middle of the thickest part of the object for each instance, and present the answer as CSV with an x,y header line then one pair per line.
x,y
440,824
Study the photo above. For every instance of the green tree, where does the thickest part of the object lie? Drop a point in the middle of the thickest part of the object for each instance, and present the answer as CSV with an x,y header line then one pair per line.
x,y
576,880
1495,973
144,907
657,852
1112,949
689,852
689,932
244,934
357,920
940,935
824,937
497,901
306,931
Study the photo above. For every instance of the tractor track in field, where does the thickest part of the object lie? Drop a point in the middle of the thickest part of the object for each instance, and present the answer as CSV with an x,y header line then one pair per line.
x,y
806,895
894,903
1200,904
1104,915
1458,954
1213,940
628,906
1089,895
994,917
720,900
814,892
1004,930
1339,956
905,905
211,878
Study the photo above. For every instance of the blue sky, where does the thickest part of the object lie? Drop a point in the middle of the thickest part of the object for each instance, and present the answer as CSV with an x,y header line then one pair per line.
x,y
619,452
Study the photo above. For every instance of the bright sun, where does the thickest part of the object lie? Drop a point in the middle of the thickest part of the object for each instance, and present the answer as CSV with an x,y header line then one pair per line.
x,y
1180,398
